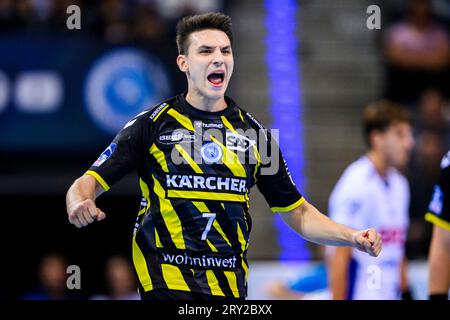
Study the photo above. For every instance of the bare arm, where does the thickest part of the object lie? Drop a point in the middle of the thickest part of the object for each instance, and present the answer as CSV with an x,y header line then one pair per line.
x,y
314,226
80,201
439,261
404,275
338,272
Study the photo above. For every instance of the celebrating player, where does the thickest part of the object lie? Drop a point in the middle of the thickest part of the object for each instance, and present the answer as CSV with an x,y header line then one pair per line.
x,y
194,223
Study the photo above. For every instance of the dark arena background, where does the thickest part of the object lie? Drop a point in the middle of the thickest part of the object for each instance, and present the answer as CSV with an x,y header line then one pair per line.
x,y
305,67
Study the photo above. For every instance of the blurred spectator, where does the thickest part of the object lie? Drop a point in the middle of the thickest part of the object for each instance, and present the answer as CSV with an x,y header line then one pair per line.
x,y
112,21
8,19
115,21
147,24
417,51
174,9
121,280
52,279
432,112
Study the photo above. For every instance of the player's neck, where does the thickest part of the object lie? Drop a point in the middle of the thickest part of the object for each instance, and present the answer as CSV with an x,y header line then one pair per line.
x,y
203,103
379,162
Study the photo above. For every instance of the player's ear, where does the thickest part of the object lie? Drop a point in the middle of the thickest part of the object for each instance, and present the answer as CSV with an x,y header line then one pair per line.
x,y
182,63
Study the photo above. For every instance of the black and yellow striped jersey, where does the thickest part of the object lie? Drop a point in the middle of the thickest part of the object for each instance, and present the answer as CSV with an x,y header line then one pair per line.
x,y
195,170
439,207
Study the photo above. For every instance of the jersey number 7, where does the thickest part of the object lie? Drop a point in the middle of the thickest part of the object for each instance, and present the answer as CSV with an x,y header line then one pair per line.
x,y
210,217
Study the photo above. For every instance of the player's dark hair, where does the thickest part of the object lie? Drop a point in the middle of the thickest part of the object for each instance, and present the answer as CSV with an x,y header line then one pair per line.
x,y
379,115
190,24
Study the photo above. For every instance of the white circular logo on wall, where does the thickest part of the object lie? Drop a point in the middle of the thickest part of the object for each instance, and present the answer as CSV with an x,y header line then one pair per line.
x,y
121,84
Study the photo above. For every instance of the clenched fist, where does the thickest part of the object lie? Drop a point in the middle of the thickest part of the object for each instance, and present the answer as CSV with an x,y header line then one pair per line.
x,y
368,241
84,212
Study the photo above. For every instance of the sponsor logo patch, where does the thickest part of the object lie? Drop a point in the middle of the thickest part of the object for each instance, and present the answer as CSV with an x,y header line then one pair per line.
x,y
174,137
436,201
211,152
105,155
203,182
237,142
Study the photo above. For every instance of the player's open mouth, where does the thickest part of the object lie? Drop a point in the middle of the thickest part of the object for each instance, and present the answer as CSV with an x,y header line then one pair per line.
x,y
216,78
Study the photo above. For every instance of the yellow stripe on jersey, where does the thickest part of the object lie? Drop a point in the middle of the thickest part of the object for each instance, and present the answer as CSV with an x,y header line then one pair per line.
x,y
169,216
217,226
142,211
244,246
188,158
159,156
258,161
183,120
201,206
240,115
206,195
157,241
98,178
254,147
211,246
160,113
437,221
213,284
173,277
231,160
228,124
141,267
288,208
232,281
146,193
241,237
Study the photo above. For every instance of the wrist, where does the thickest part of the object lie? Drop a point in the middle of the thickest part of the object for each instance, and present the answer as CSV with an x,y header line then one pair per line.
x,y
353,238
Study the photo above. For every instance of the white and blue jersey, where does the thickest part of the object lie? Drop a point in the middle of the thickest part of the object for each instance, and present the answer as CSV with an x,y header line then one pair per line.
x,y
363,199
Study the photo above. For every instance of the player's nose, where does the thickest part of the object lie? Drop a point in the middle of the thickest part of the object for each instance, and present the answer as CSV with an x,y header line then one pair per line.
x,y
218,58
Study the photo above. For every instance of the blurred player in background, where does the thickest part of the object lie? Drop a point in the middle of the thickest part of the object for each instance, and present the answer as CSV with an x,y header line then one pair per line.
x,y
193,227
439,255
372,191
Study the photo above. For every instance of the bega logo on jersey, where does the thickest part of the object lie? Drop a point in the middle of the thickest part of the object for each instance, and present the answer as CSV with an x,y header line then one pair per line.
x,y
177,136
105,155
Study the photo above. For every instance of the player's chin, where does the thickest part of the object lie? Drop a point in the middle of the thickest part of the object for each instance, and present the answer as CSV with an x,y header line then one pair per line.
x,y
215,95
